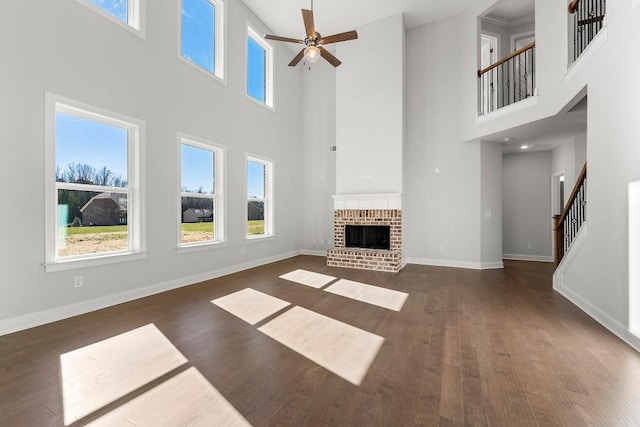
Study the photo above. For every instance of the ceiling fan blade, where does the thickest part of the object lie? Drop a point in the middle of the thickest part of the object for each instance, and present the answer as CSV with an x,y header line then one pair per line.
x,y
342,37
309,26
283,39
297,59
328,56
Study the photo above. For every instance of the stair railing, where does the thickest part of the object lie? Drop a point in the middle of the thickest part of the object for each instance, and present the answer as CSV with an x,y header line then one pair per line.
x,y
587,22
569,222
509,80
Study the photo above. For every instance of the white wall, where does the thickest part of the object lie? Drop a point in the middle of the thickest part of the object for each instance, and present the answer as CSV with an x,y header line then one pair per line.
x,y
68,49
491,204
369,109
598,277
526,205
563,159
580,147
319,165
441,201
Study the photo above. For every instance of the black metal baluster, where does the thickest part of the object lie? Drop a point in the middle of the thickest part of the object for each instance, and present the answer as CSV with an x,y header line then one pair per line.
x,y
502,84
533,71
526,75
491,90
513,82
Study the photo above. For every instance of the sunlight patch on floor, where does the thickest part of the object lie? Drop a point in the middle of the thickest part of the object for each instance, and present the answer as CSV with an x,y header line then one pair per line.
x,y
250,305
308,278
343,349
98,374
375,295
186,399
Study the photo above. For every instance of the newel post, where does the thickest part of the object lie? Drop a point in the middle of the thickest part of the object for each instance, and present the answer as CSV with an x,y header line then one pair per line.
x,y
557,235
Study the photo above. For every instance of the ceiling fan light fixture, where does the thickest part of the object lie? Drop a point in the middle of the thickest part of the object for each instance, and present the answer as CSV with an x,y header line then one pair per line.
x,y
312,54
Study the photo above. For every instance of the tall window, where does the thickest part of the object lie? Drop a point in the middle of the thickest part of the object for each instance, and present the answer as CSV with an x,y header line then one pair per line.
x,y
201,34
259,68
95,193
259,197
201,219
121,11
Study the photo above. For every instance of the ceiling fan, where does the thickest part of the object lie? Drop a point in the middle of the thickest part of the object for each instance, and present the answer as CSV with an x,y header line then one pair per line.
x,y
314,42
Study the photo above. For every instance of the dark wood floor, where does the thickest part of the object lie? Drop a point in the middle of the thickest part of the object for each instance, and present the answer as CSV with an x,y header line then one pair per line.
x,y
469,348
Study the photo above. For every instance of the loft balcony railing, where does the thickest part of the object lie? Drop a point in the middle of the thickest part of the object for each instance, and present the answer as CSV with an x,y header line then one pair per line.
x,y
509,80
588,20
569,222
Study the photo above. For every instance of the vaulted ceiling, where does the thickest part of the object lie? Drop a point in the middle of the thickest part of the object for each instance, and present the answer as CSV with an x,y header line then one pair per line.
x,y
283,17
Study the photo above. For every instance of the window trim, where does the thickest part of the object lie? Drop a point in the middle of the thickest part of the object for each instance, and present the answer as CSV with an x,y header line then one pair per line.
x,y
136,12
220,37
135,173
269,198
220,235
269,54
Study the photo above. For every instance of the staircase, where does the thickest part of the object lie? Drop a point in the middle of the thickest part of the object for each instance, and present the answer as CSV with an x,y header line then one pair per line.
x,y
573,216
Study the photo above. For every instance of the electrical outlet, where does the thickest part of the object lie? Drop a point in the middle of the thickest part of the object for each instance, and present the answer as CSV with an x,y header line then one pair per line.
x,y
442,248
530,246
78,282
487,214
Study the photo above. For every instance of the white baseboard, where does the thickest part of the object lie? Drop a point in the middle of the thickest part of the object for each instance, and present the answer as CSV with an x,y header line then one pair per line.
x,y
535,258
455,264
601,317
313,252
39,318
491,265
598,315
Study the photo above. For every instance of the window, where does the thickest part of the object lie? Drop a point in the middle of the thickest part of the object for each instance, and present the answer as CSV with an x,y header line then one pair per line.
x,y
127,12
259,68
201,35
259,198
200,203
92,171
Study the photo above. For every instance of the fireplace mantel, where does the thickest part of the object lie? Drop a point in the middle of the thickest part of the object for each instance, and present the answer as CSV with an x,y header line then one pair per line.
x,y
367,201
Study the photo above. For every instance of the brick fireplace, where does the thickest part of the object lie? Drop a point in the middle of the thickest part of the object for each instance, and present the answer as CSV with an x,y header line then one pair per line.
x,y
367,210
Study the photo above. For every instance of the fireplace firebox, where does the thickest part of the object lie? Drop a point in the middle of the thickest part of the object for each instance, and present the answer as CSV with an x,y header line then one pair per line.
x,y
368,236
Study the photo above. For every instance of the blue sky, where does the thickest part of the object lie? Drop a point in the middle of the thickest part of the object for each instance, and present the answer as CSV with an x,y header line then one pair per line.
x,y
197,169
198,44
255,180
117,8
256,74
84,141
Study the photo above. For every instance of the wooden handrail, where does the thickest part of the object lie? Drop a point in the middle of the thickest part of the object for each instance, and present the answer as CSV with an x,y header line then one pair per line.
x,y
507,58
573,6
579,181
563,238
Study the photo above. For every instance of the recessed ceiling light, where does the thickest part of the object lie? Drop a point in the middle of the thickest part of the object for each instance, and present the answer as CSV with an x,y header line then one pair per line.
x,y
525,147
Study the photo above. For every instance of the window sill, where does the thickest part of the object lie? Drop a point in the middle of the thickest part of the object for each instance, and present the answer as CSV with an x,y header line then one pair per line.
x,y
200,247
195,66
260,103
261,238
74,264
140,32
